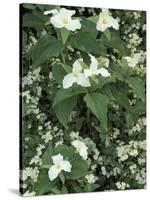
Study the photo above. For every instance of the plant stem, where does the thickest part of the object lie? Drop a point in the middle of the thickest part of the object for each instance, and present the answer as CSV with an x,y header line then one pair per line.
x,y
62,54
63,57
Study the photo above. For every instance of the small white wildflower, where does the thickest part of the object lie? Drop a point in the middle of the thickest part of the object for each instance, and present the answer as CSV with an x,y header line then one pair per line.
x,y
106,21
91,178
81,148
59,164
63,19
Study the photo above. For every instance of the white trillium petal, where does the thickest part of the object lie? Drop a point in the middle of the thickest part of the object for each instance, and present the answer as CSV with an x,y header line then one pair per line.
x,y
94,63
73,25
83,81
68,80
65,12
66,166
104,72
53,172
54,12
133,61
83,153
56,20
57,158
81,148
105,11
87,72
77,68
114,23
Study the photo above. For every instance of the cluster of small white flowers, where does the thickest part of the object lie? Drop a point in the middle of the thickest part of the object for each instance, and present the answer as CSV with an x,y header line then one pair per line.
x,y
131,149
30,172
72,116
31,98
55,61
140,124
74,135
122,185
132,31
48,132
36,159
134,40
29,194
91,11
32,77
133,168
108,173
91,178
116,170
136,15
103,169
141,176
32,42
141,161
115,133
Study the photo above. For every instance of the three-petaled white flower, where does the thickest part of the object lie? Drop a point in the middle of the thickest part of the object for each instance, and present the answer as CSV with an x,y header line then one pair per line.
x,y
76,76
63,19
81,148
133,61
106,21
59,164
93,69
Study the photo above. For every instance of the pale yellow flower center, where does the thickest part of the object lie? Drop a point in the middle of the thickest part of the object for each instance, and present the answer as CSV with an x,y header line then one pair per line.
x,y
105,21
65,20
58,165
78,148
76,74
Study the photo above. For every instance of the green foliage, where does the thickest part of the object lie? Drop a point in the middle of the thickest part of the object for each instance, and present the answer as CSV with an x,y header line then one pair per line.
x,y
79,169
138,86
98,105
46,48
64,34
64,109
35,20
64,94
85,42
115,43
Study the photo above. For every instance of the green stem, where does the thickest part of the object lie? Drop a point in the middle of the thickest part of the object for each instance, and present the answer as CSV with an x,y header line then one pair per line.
x,y
63,57
62,54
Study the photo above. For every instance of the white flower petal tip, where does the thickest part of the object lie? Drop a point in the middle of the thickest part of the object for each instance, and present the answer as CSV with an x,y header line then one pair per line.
x,y
63,19
59,164
81,148
104,72
133,61
106,21
54,12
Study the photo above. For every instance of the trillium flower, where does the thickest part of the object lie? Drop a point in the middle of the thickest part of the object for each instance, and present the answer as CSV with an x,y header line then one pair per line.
x,y
133,61
106,21
63,19
81,148
76,76
59,164
93,70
